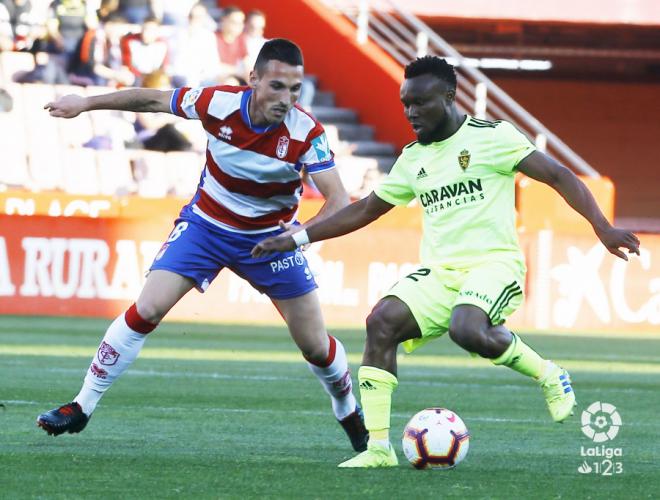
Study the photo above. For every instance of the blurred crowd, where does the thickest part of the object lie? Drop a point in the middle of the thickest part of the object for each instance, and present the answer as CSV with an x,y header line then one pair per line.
x,y
122,43
110,44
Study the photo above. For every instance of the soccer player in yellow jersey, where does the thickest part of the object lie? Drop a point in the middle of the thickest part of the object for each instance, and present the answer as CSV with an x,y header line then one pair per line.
x,y
461,170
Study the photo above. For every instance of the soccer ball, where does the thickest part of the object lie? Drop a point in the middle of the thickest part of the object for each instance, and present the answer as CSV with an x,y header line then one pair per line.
x,y
435,438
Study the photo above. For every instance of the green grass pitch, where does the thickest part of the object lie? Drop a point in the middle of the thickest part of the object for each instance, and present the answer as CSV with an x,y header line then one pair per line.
x,y
223,411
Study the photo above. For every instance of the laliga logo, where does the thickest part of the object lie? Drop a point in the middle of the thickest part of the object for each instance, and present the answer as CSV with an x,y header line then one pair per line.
x,y
604,426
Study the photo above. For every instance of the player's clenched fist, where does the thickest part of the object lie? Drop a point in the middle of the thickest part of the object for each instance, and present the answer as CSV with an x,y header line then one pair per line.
x,y
281,243
68,106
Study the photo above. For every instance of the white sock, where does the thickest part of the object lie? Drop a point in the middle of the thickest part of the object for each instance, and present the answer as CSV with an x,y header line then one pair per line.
x,y
119,348
336,380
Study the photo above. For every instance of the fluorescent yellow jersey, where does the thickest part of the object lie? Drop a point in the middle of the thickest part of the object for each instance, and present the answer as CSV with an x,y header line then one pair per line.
x,y
465,185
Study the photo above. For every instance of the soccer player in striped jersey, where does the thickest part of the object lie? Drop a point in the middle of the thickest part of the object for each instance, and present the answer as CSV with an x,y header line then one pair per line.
x,y
259,140
461,170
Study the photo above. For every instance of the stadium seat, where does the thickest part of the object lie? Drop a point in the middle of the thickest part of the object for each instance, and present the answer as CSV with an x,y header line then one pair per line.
x,y
45,167
13,167
41,127
194,132
114,171
44,161
151,173
352,170
79,172
76,131
14,62
332,133
184,171
115,125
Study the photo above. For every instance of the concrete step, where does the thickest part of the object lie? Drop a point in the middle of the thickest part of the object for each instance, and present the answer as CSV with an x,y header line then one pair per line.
x,y
385,162
322,98
371,148
355,132
328,114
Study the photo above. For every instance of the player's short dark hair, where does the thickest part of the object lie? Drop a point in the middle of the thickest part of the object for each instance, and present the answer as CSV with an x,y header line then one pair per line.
x,y
432,65
279,49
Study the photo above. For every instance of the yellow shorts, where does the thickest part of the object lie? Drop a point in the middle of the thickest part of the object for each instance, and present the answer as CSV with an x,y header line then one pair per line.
x,y
432,293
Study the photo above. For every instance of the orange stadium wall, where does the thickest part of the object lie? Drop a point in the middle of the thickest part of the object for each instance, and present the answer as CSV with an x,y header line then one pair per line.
x,y
363,77
612,125
93,263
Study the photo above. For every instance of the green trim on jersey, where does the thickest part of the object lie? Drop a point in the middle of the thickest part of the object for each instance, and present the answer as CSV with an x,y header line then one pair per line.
x,y
465,185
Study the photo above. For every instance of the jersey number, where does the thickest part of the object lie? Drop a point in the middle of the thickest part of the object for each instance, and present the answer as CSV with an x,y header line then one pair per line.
x,y
420,272
176,232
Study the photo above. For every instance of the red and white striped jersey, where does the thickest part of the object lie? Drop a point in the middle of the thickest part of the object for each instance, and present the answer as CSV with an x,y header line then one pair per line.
x,y
251,179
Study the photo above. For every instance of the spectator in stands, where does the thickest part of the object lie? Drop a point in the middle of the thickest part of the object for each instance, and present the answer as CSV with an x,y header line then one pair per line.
x,y
231,45
6,30
136,11
175,12
194,52
98,59
255,25
107,8
144,52
66,26
21,29
56,49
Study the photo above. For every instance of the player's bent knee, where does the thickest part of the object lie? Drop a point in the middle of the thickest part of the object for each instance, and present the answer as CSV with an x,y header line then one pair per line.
x,y
317,355
150,311
379,329
470,338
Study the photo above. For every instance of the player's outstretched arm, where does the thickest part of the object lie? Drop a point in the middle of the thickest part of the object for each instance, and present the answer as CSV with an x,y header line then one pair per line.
x,y
542,168
347,220
330,186
138,100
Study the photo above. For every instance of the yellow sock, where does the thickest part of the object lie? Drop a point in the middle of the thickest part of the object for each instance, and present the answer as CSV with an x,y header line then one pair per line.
x,y
376,388
522,358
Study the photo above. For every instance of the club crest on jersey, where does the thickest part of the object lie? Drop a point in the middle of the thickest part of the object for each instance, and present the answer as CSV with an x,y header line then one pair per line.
x,y
282,147
107,354
464,159
225,132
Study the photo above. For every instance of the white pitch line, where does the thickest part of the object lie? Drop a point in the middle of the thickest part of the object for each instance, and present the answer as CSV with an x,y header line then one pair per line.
x,y
278,378
310,413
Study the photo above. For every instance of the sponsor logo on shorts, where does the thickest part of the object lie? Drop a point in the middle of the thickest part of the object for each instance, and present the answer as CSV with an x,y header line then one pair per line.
x,y
289,262
481,296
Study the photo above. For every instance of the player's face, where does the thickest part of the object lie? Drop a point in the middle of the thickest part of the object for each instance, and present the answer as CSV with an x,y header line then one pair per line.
x,y
276,90
427,101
